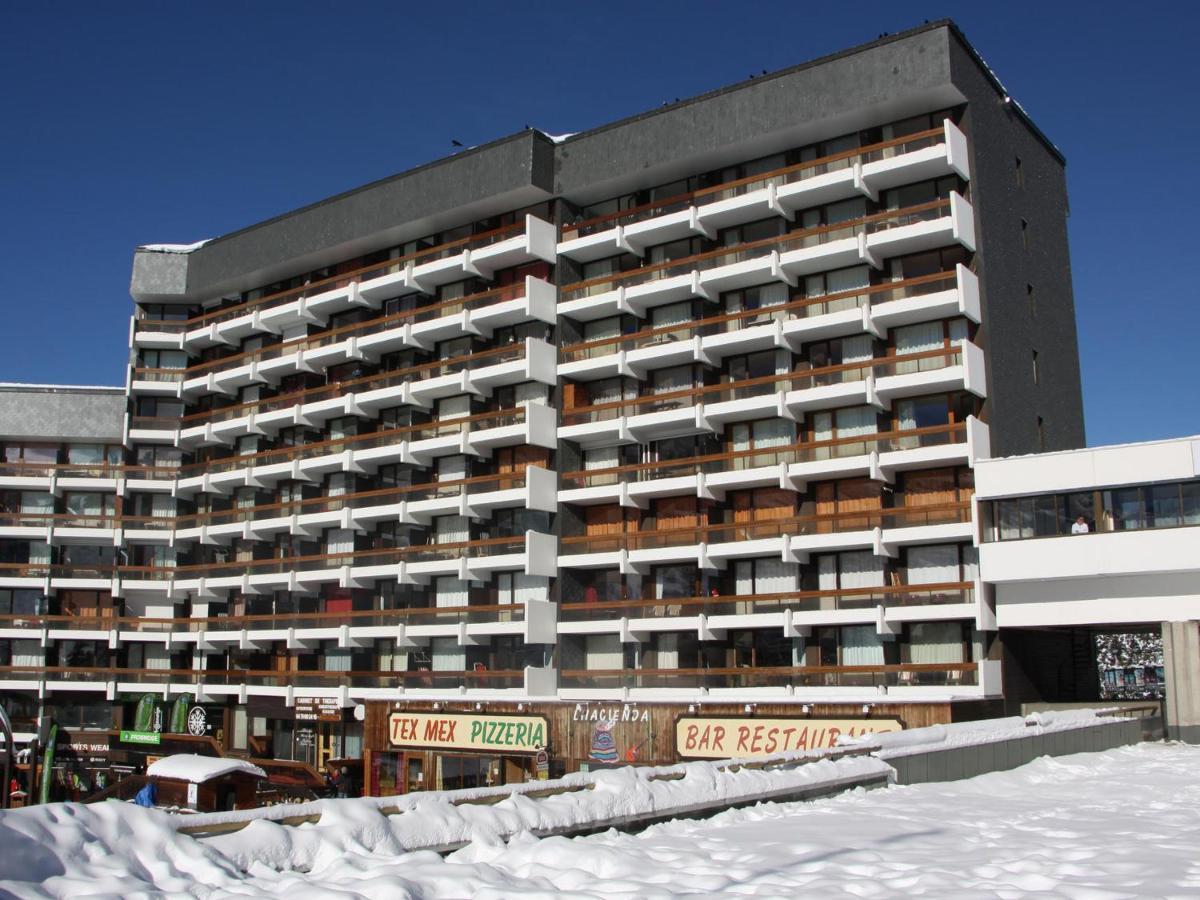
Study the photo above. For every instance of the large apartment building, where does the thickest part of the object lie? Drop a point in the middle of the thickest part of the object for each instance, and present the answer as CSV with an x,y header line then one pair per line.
x,y
650,442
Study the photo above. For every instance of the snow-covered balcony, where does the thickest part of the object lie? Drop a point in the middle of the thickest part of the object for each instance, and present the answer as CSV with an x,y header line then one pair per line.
x,y
782,192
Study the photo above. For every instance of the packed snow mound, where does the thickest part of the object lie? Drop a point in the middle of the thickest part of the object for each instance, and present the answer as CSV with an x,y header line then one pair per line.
x,y
1122,823
108,849
199,769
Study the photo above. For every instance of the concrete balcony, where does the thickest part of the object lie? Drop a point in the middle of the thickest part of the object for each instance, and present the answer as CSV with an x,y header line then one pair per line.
x,y
862,172
479,255
476,497
848,684
872,310
783,259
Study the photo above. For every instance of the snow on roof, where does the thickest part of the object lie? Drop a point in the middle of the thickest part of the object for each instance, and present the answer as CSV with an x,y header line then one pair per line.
x,y
559,138
174,248
198,769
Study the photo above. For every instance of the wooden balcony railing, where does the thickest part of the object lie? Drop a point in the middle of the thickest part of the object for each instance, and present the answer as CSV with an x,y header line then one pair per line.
x,y
944,674
796,526
84,520
477,484
784,175
797,309
954,592
793,240
395,377
497,546
905,439
87,470
358,329
480,421
359,618
333,282
924,361
483,678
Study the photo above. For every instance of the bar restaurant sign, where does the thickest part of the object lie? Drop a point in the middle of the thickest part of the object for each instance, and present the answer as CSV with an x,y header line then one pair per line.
x,y
463,731
703,738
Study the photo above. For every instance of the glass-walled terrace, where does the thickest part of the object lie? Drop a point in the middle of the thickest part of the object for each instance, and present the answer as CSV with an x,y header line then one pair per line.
x,y
1130,508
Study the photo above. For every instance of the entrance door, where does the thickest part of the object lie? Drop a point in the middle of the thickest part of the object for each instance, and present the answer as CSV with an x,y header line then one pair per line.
x,y
327,742
414,772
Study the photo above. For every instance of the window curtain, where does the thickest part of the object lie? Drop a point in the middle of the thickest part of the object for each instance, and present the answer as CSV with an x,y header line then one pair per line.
x,y
531,587
919,339
452,529
451,468
770,433
860,569
37,502
39,553
339,540
448,655
337,660
937,564
601,329
667,647
85,454
853,421
451,592
607,391
672,314
861,646
454,407
162,506
841,281
604,651
678,378
935,642
28,654
155,656
773,576
528,392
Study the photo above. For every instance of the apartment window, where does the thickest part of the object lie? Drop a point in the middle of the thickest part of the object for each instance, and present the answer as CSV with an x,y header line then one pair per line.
x,y
1020,173
1041,433
1036,373
1032,299
1025,233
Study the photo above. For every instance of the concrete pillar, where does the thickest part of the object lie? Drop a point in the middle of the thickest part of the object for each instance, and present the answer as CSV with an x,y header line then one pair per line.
x,y
1181,662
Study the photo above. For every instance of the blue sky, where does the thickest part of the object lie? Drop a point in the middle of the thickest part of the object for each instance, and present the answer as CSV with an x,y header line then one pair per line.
x,y
136,122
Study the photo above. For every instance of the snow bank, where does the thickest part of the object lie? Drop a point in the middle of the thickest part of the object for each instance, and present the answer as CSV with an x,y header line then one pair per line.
x,y
198,769
1122,823
431,820
114,849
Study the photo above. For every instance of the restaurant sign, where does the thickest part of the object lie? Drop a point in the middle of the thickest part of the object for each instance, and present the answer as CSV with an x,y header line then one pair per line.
x,y
703,738
462,731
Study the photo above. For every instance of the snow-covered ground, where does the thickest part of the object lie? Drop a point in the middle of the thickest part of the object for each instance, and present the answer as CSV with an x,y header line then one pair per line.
x,y
1116,824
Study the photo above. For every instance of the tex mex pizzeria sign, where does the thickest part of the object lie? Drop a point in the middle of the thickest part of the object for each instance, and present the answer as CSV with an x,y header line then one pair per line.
x,y
704,738
462,731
